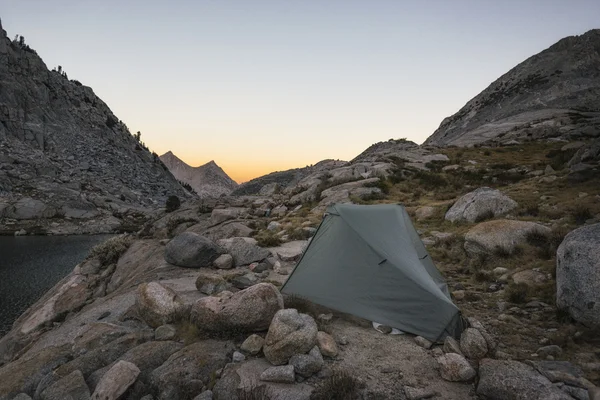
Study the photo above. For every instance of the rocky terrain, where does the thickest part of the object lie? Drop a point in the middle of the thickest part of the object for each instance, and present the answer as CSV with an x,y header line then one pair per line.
x,y
189,306
551,94
67,163
207,180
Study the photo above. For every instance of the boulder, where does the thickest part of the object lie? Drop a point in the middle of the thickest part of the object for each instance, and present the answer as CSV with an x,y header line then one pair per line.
x,y
72,386
473,344
116,381
224,261
422,213
191,250
251,309
290,333
210,283
500,235
480,203
306,365
253,344
327,344
455,368
243,250
158,305
451,346
512,380
578,275
529,277
190,369
165,332
280,374
290,251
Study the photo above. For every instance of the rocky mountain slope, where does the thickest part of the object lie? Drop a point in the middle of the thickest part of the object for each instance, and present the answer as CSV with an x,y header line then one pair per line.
x,y
208,180
555,93
67,163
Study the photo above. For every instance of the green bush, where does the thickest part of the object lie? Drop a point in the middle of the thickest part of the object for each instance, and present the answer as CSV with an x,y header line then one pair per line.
x,y
267,239
516,292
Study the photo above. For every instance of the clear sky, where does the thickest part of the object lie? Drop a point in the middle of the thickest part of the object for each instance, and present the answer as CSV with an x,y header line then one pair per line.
x,y
261,85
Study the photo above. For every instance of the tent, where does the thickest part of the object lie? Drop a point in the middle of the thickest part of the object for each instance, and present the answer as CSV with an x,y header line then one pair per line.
x,y
368,261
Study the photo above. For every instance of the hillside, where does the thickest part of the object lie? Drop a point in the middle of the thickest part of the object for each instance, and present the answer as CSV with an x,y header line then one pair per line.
x,y
555,93
208,180
67,163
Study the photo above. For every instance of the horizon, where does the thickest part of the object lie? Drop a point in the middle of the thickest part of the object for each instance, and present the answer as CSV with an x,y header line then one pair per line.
x,y
269,86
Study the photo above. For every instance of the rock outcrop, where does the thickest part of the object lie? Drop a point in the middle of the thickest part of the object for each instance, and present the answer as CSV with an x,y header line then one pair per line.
x,y
500,236
63,153
207,180
578,275
552,94
481,203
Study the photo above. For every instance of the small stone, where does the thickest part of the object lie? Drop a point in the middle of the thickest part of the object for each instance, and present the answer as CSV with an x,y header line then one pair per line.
x,y
224,261
307,365
326,344
253,344
551,350
424,343
343,340
459,294
165,332
455,368
412,393
238,357
280,374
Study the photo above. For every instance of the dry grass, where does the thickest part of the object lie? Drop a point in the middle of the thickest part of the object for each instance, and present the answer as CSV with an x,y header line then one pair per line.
x,y
267,239
110,251
339,386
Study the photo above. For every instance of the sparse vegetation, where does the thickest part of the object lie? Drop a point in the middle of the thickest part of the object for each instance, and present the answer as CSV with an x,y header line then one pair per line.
x,y
339,386
267,239
172,204
581,214
110,251
516,293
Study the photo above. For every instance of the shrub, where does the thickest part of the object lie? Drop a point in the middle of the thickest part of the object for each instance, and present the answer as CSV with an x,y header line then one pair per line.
x,y
297,234
172,204
110,251
581,214
530,208
516,292
267,239
339,386
537,238
261,392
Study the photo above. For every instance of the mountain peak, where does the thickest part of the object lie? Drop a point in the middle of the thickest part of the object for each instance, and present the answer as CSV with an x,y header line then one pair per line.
x,y
555,93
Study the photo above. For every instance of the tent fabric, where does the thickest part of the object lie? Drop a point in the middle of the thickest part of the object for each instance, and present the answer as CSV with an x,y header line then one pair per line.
x,y
368,261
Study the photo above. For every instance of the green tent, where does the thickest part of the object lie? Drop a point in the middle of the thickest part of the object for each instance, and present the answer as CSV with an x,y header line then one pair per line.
x,y
368,261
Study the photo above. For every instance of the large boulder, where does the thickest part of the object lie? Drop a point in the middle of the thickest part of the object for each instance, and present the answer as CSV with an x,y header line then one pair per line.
x,y
251,309
187,371
512,380
500,235
244,250
578,275
158,305
219,215
290,333
116,381
479,204
191,250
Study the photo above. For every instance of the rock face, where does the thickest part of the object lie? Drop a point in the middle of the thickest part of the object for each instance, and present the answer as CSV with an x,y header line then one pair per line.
x,y
191,250
512,380
578,275
251,309
290,333
479,203
116,381
553,93
500,235
158,305
207,180
65,152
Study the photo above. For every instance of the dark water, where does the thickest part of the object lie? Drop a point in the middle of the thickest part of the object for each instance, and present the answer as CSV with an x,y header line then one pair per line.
x,y
30,265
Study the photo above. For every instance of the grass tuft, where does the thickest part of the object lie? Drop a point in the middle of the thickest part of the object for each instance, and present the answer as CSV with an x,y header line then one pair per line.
x,y
110,251
339,386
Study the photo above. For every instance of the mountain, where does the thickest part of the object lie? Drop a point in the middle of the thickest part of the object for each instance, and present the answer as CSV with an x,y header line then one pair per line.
x,y
66,161
208,180
555,93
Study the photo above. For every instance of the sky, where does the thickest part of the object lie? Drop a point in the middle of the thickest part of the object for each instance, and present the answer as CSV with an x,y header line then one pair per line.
x,y
261,86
